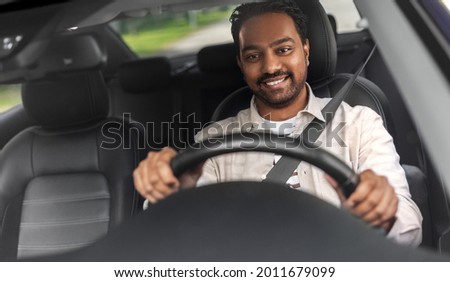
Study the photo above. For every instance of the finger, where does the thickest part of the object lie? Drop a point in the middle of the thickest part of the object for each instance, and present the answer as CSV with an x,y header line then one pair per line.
x,y
149,181
392,211
375,216
145,170
150,178
368,182
337,188
160,188
162,178
151,199
164,168
156,184
385,211
369,203
140,178
331,180
140,187
166,175
154,187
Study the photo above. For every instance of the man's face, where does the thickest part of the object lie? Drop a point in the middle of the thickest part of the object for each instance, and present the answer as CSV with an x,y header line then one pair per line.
x,y
273,58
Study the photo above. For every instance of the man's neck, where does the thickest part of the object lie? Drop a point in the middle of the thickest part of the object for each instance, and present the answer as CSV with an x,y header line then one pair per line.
x,y
284,113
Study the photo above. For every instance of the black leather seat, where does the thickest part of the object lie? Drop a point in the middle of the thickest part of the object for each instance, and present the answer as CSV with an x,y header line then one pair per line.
x,y
65,183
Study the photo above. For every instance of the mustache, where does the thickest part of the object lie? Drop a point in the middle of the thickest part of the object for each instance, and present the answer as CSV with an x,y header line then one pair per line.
x,y
273,75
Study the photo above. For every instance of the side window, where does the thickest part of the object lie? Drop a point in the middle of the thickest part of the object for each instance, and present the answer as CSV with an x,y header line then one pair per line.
x,y
345,13
9,96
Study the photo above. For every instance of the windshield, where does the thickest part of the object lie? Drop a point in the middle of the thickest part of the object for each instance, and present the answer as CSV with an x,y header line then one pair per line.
x,y
173,33
170,33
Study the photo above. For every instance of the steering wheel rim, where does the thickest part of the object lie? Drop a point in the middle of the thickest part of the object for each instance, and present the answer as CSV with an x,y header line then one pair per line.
x,y
346,178
244,221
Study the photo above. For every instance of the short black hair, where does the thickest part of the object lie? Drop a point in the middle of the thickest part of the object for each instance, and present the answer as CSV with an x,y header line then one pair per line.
x,y
249,10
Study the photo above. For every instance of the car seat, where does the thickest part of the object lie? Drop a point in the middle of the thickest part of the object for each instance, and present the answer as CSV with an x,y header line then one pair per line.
x,y
68,181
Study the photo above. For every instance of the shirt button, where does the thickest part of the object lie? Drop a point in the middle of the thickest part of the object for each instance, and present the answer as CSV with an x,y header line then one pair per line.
x,y
263,177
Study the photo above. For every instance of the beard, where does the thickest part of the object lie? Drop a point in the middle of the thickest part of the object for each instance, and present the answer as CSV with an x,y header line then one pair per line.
x,y
279,98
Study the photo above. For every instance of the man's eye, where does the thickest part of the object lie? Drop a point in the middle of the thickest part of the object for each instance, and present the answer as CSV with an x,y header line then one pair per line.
x,y
252,57
284,50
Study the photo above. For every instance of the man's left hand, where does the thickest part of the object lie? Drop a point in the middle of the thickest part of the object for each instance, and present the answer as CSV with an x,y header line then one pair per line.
x,y
374,200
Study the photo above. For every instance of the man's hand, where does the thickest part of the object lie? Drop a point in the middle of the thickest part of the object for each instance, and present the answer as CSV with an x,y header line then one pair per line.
x,y
374,200
154,179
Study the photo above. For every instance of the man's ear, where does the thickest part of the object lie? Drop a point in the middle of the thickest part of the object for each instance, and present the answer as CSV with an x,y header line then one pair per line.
x,y
306,51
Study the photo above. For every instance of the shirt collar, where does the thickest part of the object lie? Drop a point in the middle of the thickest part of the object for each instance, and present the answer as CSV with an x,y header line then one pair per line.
x,y
314,108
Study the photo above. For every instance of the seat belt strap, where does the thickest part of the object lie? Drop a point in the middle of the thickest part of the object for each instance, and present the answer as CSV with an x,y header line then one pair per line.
x,y
285,166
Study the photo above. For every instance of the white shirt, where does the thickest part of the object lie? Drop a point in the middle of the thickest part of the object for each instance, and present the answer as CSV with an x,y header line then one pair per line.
x,y
361,142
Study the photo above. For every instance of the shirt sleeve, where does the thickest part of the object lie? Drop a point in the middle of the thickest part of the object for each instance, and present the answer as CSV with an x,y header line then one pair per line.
x,y
377,152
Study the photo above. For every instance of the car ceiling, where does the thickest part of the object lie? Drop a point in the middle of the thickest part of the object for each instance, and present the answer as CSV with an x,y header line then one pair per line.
x,y
83,13
38,21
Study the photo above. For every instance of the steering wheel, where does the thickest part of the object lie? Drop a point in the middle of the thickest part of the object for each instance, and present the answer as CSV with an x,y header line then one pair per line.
x,y
248,221
266,142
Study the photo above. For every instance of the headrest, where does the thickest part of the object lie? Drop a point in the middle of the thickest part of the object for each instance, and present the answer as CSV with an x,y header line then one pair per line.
x,y
323,53
323,50
67,100
218,59
333,23
143,76
61,54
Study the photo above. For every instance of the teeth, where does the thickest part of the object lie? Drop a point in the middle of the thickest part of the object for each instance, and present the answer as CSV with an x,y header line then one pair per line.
x,y
272,83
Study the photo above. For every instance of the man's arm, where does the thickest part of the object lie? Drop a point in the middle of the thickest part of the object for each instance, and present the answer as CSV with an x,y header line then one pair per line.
x,y
377,153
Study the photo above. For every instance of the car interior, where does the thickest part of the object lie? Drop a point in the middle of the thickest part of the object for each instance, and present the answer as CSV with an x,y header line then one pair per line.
x,y
65,181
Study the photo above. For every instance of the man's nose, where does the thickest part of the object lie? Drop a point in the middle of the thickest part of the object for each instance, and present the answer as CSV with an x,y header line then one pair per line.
x,y
271,63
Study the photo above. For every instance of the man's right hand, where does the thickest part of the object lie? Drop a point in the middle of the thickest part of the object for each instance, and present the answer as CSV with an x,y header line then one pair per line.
x,y
154,179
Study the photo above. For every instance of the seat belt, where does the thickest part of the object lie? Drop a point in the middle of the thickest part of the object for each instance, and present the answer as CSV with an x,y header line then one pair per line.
x,y
285,166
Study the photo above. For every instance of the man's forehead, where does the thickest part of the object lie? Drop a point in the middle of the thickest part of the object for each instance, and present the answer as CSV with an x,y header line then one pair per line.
x,y
267,28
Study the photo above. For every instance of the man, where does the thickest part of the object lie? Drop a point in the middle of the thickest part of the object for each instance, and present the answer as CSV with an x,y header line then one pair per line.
x,y
273,57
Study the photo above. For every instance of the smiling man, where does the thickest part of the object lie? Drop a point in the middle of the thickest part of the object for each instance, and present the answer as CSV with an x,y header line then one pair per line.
x,y
273,53
274,58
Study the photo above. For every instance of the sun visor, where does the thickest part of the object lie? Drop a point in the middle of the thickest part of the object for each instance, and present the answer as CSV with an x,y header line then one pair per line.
x,y
62,54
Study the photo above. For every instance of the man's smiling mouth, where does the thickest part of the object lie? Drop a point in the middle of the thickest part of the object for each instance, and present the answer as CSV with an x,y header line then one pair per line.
x,y
272,83
275,84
